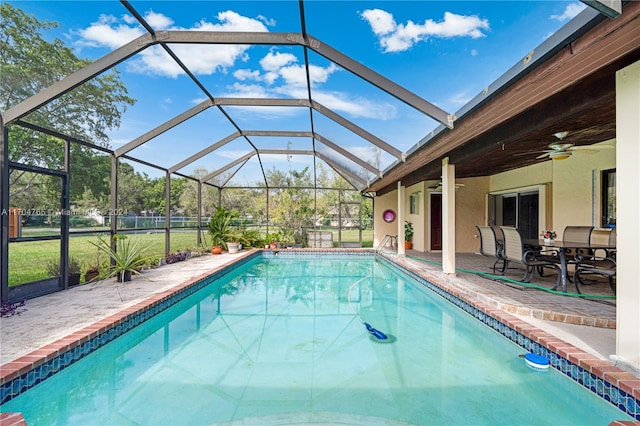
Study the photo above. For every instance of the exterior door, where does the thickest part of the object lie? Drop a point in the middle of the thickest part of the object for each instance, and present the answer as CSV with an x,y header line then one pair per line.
x,y
436,221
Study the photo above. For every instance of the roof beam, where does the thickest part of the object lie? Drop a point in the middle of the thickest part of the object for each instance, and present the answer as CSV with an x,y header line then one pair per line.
x,y
204,152
163,127
226,37
341,170
349,155
261,102
358,131
610,8
277,133
286,152
337,118
228,166
378,80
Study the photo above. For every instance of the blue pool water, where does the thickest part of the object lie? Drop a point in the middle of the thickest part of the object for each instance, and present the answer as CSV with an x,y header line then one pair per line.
x,y
276,341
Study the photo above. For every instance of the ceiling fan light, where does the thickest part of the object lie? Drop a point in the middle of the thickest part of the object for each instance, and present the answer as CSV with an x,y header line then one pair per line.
x,y
563,155
561,135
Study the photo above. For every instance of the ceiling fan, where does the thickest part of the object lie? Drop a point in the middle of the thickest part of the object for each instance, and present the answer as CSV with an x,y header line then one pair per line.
x,y
438,186
563,150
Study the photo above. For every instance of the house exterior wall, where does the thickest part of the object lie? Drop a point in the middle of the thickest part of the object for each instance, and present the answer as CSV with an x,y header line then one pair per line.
x,y
570,193
380,227
470,211
418,219
575,183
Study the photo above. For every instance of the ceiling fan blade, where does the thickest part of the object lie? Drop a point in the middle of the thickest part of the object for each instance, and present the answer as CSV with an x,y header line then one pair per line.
x,y
520,154
546,154
561,146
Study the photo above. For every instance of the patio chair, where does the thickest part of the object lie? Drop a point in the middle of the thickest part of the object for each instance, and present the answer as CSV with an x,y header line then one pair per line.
x,y
513,251
595,265
491,247
578,234
600,262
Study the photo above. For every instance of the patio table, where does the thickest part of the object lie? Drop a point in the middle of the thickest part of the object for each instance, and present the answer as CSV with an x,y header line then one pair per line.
x,y
563,247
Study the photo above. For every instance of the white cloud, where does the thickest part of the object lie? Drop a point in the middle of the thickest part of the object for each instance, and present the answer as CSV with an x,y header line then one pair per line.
x,y
245,74
106,32
394,37
356,107
570,12
274,61
247,91
113,33
381,22
158,21
456,100
267,21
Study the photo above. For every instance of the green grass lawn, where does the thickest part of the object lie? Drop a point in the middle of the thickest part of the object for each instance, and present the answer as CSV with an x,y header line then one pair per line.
x,y
28,260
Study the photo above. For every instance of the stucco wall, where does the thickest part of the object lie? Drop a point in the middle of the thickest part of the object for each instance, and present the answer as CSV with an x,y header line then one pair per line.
x,y
575,185
418,220
537,174
470,211
382,228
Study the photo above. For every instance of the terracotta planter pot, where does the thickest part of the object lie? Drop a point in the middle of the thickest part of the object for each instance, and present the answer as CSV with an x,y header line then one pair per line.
x,y
90,276
408,245
216,250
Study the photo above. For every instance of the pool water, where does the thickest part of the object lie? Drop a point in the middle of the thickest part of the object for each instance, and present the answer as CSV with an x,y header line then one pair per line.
x,y
277,341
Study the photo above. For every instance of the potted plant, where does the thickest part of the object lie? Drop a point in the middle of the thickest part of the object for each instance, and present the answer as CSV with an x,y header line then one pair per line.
x,y
221,229
73,270
408,235
92,270
127,257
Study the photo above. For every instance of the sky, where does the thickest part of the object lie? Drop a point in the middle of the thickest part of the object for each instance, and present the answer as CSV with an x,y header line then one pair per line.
x,y
446,52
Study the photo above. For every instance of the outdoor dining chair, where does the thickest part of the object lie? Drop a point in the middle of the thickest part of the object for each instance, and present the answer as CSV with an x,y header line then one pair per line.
x,y
600,262
578,234
595,265
514,252
491,247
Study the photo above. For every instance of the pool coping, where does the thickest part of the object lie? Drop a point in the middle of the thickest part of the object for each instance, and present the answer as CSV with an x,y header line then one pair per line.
x,y
616,386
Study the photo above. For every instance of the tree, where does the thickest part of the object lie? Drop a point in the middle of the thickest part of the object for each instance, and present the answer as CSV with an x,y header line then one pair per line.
x,y
293,207
28,65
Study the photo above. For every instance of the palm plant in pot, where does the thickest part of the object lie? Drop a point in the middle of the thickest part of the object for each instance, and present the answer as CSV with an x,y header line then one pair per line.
x,y
408,235
127,257
221,229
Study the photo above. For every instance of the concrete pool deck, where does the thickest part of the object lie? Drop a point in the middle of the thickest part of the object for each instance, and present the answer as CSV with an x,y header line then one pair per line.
x,y
51,322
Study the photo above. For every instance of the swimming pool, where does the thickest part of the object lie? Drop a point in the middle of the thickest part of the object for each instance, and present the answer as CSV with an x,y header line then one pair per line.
x,y
278,337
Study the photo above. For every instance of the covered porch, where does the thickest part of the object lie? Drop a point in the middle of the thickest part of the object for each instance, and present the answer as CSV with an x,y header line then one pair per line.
x,y
582,90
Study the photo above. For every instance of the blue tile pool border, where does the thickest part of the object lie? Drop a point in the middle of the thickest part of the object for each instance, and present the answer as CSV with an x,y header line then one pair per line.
x,y
26,381
601,387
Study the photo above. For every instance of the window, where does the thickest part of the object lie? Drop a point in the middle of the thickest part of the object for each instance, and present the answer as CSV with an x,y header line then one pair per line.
x,y
414,203
517,209
609,198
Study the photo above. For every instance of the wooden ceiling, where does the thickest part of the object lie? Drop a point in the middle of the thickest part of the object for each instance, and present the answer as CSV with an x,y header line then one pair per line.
x,y
572,91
